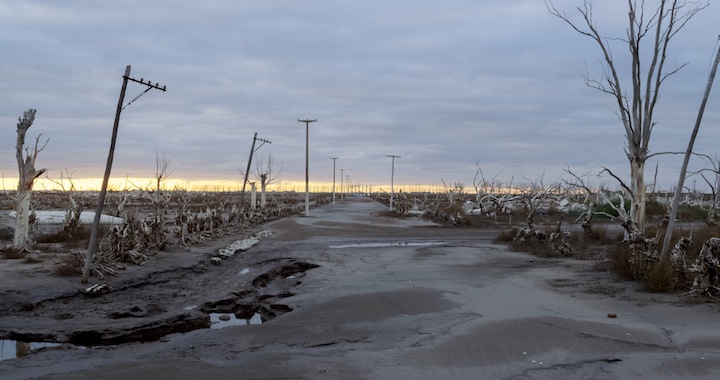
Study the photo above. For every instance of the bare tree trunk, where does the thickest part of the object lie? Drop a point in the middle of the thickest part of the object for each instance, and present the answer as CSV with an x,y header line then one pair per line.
x,y
27,176
263,199
253,196
22,219
637,185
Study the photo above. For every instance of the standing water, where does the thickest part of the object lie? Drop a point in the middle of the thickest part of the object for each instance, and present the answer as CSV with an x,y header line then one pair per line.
x,y
11,349
222,320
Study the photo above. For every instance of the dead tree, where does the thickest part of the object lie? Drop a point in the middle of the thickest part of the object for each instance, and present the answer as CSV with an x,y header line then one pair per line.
x,y
631,227
455,193
157,236
648,73
26,158
532,196
482,186
579,182
707,270
71,224
686,159
264,173
714,186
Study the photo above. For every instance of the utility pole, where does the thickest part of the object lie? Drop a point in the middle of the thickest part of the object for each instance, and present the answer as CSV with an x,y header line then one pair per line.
x,y
108,167
348,185
392,180
307,164
342,175
334,159
247,172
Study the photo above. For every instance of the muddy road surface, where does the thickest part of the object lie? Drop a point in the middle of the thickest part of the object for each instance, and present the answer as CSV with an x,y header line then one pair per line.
x,y
347,294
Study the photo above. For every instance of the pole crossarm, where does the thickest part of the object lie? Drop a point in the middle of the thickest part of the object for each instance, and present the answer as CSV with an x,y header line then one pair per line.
x,y
263,143
148,83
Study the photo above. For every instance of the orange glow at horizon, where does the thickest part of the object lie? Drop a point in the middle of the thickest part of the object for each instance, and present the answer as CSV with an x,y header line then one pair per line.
x,y
120,184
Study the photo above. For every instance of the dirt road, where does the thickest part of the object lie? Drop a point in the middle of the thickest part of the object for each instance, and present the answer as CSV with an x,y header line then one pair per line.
x,y
346,294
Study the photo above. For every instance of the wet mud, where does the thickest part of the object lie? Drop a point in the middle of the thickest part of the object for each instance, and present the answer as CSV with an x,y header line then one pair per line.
x,y
159,304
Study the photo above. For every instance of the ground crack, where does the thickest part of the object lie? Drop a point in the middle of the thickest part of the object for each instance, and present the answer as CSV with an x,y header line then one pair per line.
x,y
566,366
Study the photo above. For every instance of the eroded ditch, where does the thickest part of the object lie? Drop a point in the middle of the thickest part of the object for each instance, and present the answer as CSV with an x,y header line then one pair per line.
x,y
259,301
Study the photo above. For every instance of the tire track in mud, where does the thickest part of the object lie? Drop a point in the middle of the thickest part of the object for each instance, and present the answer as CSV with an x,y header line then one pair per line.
x,y
162,303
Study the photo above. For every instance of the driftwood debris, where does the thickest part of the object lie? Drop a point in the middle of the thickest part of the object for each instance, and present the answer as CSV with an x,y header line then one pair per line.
x,y
707,270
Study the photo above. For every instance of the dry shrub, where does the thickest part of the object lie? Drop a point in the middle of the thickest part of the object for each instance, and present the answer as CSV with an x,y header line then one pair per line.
x,y
699,237
34,259
539,249
597,240
655,277
506,235
619,261
706,280
391,214
14,253
457,216
658,276
535,242
600,235
68,266
660,279
6,234
655,208
78,234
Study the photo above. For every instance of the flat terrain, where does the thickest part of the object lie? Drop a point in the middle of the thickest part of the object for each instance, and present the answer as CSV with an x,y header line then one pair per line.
x,y
347,294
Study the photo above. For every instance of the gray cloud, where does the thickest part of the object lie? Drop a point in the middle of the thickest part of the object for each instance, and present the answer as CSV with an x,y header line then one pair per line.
x,y
442,84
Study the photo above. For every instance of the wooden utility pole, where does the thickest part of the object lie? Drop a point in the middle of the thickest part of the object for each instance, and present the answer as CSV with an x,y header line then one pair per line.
x,y
247,172
392,180
334,159
683,171
342,188
108,166
307,162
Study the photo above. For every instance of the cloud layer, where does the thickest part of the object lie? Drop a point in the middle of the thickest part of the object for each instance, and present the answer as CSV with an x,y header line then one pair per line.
x,y
442,84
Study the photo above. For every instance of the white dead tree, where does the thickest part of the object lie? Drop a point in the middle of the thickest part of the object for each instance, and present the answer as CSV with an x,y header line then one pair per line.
x,y
26,158
714,185
482,186
454,193
631,228
487,197
581,182
73,208
647,39
266,175
157,236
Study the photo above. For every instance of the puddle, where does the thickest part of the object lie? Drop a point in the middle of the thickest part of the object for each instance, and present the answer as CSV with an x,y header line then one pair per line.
x,y
394,244
11,349
231,320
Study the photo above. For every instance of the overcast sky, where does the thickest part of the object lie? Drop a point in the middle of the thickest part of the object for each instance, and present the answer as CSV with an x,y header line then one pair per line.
x,y
443,84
